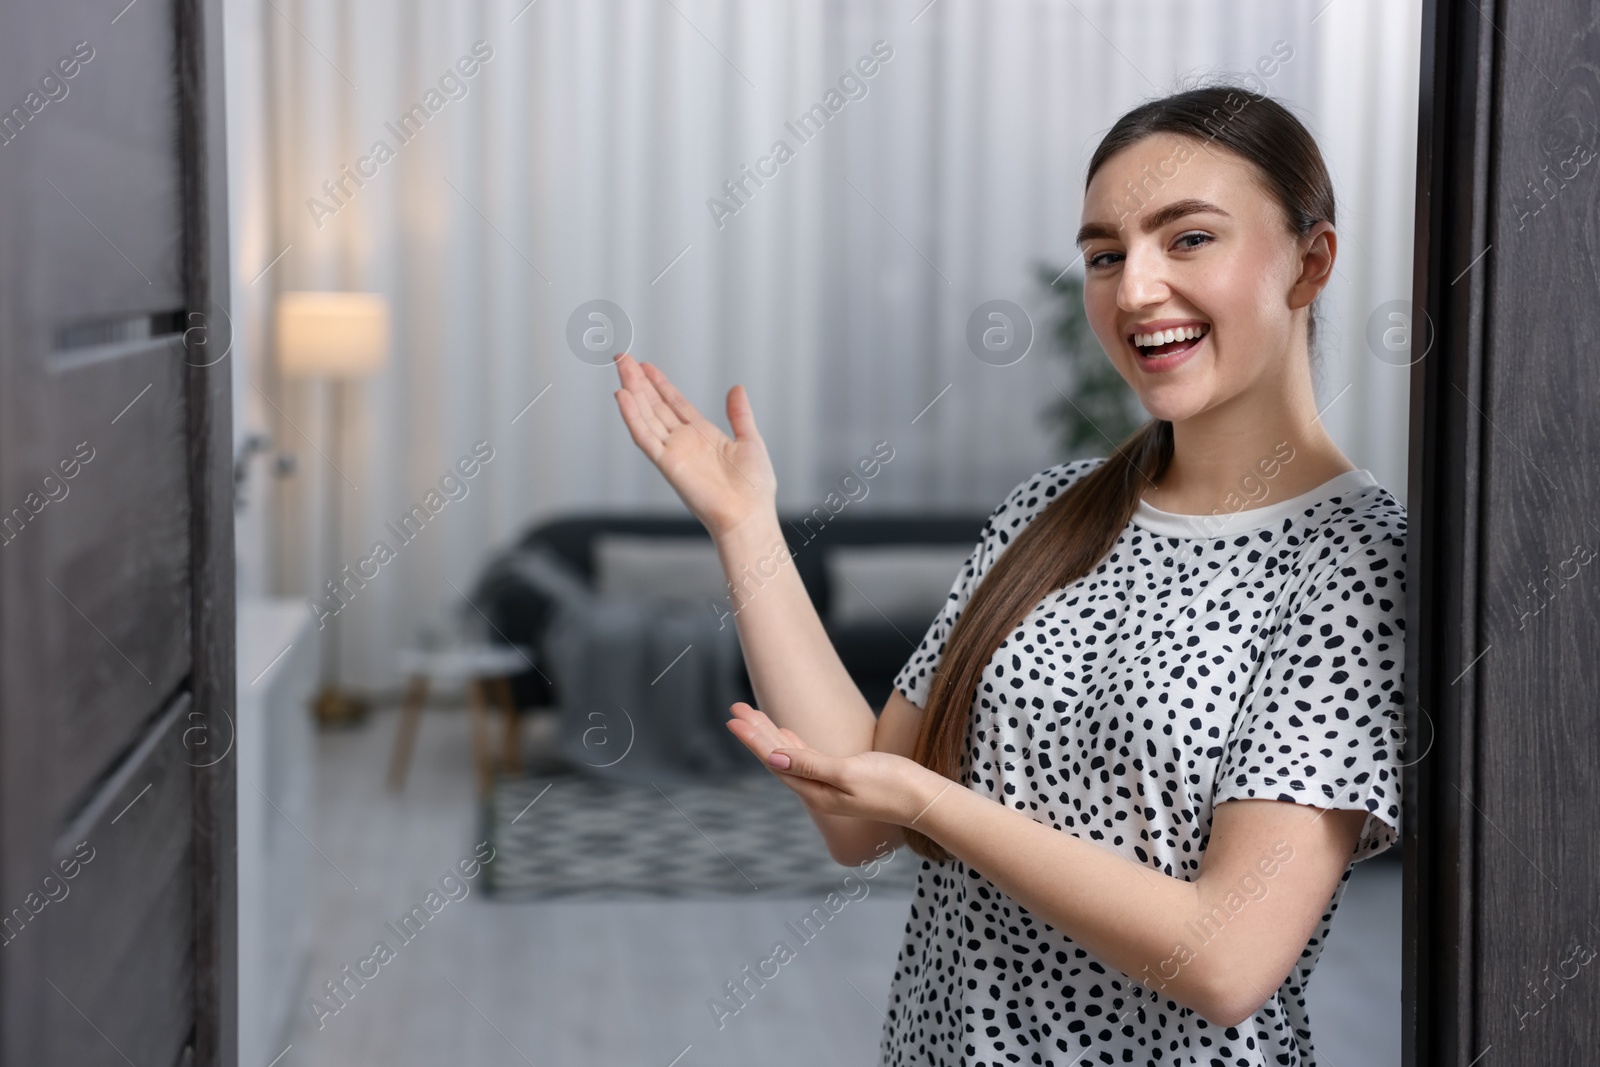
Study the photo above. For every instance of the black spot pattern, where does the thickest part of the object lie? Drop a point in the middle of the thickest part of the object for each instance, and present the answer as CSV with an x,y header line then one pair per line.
x,y
1258,654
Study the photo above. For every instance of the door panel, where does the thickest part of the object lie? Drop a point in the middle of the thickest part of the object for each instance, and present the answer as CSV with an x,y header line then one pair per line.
x,y
130,911
116,548
104,172
116,566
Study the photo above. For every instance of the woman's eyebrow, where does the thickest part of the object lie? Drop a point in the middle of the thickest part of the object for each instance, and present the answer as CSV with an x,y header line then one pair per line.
x,y
1153,221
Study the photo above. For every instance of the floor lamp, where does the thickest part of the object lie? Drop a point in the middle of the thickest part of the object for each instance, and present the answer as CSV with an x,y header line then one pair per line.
x,y
337,337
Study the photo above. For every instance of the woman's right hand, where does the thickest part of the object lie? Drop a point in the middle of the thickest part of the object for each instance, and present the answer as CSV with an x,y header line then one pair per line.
x,y
722,480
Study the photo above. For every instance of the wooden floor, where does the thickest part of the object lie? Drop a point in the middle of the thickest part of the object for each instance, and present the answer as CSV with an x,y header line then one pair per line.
x,y
628,984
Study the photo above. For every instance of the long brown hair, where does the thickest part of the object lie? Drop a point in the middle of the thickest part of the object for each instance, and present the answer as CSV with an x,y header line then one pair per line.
x,y
1078,529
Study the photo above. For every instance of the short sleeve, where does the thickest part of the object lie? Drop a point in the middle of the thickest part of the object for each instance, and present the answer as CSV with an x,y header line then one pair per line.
x,y
1323,724
1004,523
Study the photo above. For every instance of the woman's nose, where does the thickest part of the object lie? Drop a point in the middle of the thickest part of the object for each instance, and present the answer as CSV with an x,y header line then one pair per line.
x,y
1141,284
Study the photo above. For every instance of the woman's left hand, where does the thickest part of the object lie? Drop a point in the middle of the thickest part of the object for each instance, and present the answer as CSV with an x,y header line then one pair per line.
x,y
868,785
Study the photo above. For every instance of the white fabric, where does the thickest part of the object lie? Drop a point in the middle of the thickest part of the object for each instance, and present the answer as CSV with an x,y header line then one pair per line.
x,y
1224,520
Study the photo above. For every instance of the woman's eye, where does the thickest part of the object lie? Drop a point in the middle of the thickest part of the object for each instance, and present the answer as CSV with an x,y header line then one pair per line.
x,y
1194,240
1100,261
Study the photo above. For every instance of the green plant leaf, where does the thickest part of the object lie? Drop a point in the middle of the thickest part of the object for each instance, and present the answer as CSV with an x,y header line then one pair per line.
x,y
1094,409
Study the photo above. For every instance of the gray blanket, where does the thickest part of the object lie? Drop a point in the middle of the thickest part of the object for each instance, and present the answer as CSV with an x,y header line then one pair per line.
x,y
644,685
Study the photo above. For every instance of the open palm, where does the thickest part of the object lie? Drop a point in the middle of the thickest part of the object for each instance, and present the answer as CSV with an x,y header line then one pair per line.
x,y
722,480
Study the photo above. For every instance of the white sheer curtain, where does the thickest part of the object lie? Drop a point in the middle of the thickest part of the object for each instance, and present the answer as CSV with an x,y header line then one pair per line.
x,y
578,166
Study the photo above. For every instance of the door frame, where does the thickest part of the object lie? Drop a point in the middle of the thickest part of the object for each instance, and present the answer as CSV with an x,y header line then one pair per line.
x,y
210,408
1497,855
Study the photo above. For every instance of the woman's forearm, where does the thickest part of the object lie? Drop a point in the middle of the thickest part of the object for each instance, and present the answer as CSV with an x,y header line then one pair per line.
x,y
852,841
1219,944
728,485
797,676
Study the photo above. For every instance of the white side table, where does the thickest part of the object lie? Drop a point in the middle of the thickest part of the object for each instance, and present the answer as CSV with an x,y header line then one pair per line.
x,y
487,670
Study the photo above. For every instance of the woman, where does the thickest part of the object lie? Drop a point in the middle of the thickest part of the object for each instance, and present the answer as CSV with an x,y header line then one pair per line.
x,y
1167,682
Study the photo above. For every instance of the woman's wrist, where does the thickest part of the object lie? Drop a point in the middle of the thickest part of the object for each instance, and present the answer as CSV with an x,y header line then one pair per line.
x,y
752,551
755,525
927,786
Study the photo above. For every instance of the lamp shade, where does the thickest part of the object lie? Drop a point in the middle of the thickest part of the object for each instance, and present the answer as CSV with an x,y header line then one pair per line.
x,y
335,335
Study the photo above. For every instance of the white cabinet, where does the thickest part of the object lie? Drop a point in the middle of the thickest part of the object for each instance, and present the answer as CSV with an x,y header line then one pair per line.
x,y
278,668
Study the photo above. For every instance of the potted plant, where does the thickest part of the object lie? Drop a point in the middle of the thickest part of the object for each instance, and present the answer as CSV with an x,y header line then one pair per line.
x,y
1095,410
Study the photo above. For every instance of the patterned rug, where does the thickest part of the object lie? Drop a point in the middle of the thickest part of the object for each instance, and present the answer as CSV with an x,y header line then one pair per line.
x,y
571,836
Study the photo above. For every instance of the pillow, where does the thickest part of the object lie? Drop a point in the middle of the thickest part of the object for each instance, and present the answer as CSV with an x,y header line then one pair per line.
x,y
683,569
907,583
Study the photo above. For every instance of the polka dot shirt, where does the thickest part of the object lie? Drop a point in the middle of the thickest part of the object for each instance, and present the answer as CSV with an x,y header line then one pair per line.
x,y
1253,653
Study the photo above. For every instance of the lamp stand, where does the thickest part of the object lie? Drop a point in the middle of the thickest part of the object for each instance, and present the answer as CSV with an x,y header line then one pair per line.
x,y
334,705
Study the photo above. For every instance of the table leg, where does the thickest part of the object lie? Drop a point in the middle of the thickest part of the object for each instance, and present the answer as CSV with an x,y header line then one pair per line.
x,y
480,736
511,754
406,735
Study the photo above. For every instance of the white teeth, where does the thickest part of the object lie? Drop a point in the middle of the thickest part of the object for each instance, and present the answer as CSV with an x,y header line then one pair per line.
x,y
1165,337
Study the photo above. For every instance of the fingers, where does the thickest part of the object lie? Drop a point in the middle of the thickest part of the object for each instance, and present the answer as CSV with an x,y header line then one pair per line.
x,y
757,726
647,433
675,401
645,392
760,742
805,763
647,379
775,736
814,793
741,417
802,774
752,724
761,736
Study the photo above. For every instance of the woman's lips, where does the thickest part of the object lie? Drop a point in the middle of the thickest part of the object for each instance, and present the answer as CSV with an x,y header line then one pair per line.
x,y
1171,360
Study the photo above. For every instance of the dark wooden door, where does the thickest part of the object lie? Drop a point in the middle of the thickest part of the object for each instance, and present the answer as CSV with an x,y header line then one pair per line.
x,y
1502,900
116,566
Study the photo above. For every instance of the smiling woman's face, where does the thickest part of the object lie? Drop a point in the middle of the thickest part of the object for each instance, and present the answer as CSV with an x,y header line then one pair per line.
x,y
1204,250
